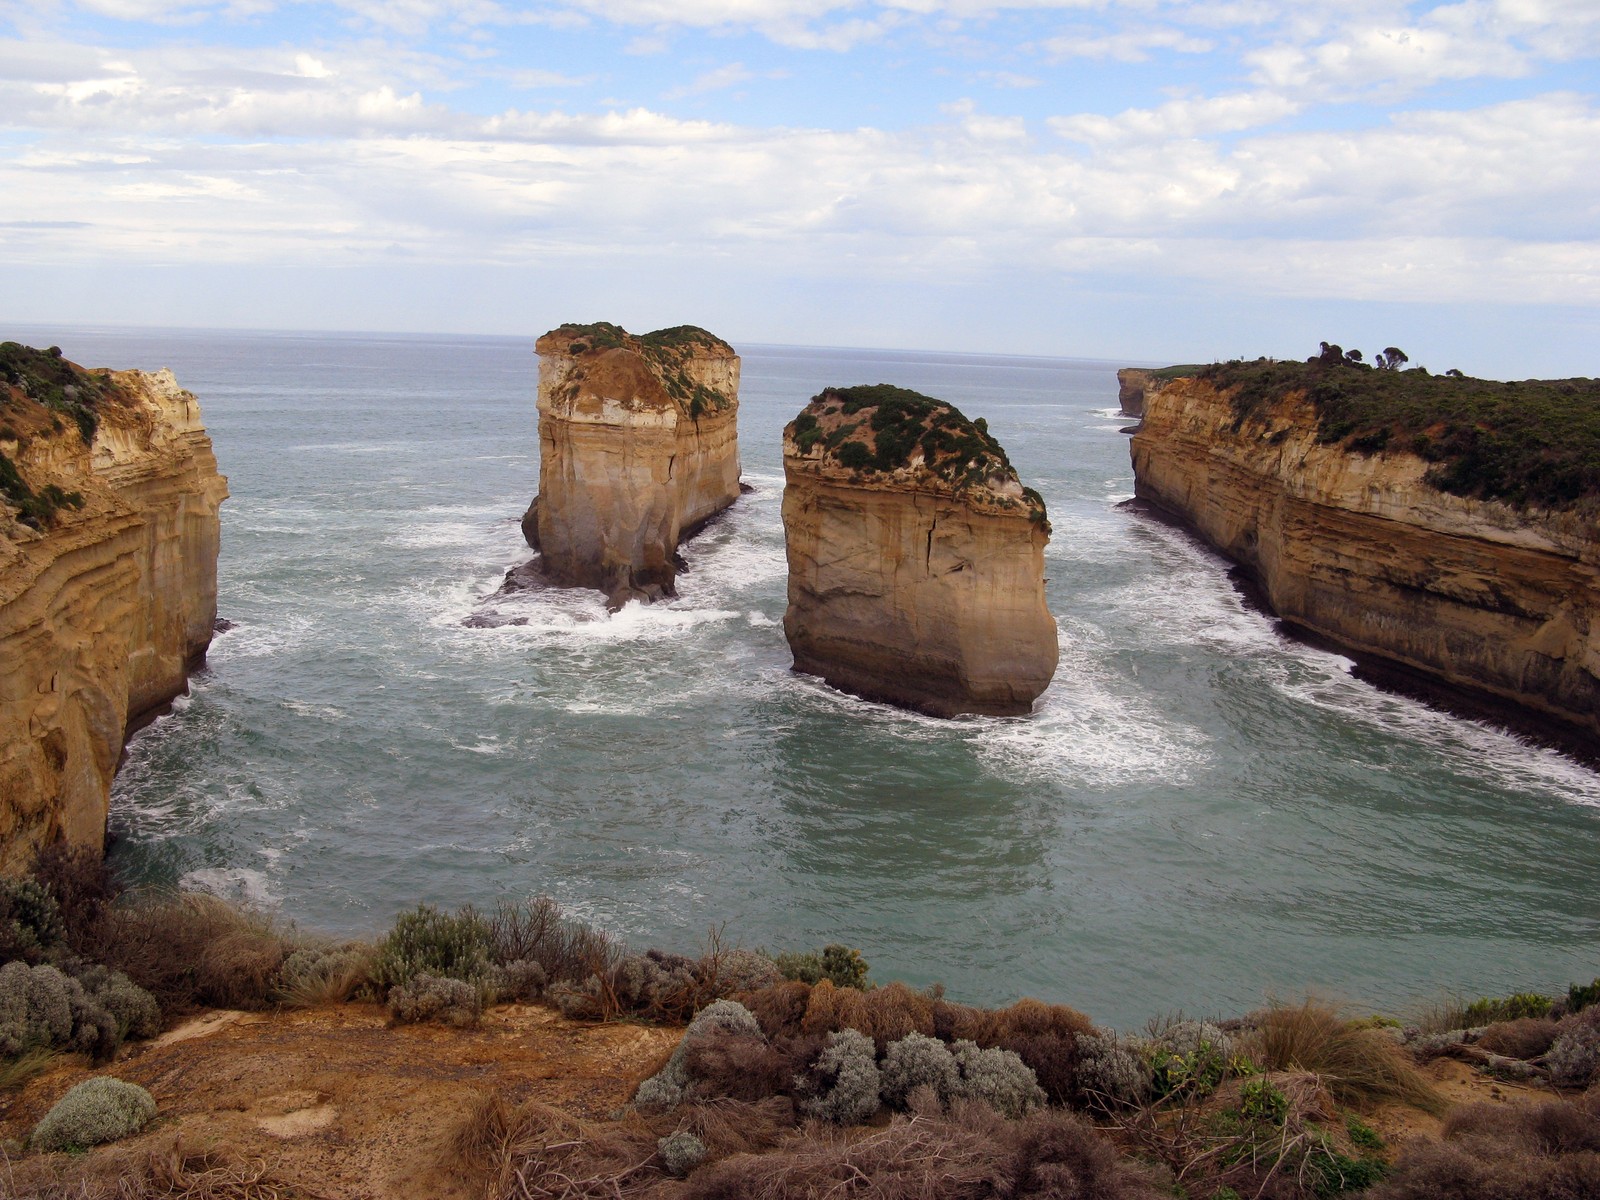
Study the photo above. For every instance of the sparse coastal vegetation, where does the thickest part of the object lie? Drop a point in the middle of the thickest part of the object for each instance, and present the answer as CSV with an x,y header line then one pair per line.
x,y
795,1073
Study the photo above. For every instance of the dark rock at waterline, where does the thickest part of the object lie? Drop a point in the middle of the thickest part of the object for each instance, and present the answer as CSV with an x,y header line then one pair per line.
x,y
222,625
492,620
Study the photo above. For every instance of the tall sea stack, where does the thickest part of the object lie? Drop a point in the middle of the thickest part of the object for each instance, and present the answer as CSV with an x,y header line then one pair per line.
x,y
916,556
638,448
109,534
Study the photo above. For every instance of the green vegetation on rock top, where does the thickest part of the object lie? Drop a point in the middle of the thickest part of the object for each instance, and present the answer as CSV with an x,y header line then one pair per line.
x,y
1532,444
1182,371
665,349
898,421
44,376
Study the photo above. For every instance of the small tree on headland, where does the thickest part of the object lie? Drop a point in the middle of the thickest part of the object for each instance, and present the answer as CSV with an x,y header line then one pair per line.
x,y
1392,358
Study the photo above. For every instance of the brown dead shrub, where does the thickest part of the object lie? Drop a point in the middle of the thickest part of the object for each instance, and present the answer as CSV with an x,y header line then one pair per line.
x,y
83,887
1034,1018
956,1022
1045,1037
1527,1037
780,1009
969,1154
831,1009
1360,1066
737,1067
1502,1152
171,1171
193,950
896,1010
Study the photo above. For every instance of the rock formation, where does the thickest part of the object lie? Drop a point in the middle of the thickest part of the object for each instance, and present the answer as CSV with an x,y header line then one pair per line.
x,y
108,581
1132,383
916,556
638,446
1349,538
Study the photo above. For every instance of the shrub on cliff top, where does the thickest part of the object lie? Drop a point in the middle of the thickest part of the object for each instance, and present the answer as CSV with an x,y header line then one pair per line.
x,y
428,942
30,920
1360,1065
98,1110
1536,442
89,1011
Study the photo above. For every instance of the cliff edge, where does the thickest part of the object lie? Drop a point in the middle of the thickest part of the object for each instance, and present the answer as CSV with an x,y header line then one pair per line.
x,y
109,532
638,448
916,556
1442,529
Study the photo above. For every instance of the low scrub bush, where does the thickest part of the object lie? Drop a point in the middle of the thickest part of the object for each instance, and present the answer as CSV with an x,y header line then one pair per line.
x,y
96,1111
317,974
1499,1151
1574,1056
425,997
89,1011
998,1078
1489,1010
191,950
781,1008
919,1062
1188,1058
537,931
1527,1037
844,1085
521,980
720,1020
1581,996
30,921
681,1152
426,941
1111,1073
1361,1066
839,965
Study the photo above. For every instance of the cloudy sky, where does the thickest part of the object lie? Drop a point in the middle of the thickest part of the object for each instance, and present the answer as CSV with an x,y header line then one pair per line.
x,y
1131,179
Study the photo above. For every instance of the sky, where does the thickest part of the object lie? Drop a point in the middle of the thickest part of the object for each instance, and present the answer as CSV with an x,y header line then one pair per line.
x,y
1140,180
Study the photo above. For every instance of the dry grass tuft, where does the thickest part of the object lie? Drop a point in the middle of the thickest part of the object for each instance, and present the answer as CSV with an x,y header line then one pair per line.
x,y
831,1009
954,1022
169,1172
780,1009
1359,1066
1526,1038
896,1010
29,1064
192,950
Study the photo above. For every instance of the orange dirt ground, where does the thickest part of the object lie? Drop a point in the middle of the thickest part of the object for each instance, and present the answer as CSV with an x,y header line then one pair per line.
x,y
337,1100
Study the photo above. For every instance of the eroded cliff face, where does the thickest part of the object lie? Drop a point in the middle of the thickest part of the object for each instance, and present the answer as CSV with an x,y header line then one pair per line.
x,y
1132,385
1475,594
107,591
638,445
916,560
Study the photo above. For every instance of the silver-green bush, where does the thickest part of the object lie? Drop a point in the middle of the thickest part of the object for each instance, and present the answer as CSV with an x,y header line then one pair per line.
x,y
917,1060
1110,1070
682,1152
428,942
519,980
436,998
35,1008
999,1078
850,1067
667,1086
1574,1058
98,1110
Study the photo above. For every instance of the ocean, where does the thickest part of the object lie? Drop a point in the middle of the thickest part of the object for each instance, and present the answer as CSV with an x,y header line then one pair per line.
x,y
1199,815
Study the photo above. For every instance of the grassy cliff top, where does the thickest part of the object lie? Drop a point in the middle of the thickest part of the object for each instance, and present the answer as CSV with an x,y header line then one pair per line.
x,y
41,395
667,351
1535,443
881,428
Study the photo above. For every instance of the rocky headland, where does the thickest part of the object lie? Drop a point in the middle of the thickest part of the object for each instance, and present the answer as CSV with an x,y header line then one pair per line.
x,y
916,556
1441,529
109,533
638,446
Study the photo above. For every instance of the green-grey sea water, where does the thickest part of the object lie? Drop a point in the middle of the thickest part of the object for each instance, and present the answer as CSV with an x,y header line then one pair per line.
x,y
1200,813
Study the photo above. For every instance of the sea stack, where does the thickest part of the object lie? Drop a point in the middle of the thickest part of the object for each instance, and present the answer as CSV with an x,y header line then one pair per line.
x,y
638,449
109,494
916,556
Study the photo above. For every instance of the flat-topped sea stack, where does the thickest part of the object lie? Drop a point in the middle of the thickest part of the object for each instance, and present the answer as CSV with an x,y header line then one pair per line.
x,y
638,449
109,533
1441,529
916,556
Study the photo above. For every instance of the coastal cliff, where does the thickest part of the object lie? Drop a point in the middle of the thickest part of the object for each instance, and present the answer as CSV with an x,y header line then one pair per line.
x,y
109,532
1440,529
916,556
638,446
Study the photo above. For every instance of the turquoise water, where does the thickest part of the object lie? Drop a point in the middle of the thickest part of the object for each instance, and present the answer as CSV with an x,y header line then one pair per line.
x,y
1198,814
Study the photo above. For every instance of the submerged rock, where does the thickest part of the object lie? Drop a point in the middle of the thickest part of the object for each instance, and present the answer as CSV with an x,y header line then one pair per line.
x,y
916,556
638,450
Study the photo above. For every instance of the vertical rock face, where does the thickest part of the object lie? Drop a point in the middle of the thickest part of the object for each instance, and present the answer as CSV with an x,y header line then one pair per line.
x,y
1476,594
638,445
916,556
108,581
1132,382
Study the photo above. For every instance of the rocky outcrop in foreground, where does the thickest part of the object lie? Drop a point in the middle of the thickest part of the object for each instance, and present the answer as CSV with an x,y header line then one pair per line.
x,y
916,556
1389,515
109,531
638,447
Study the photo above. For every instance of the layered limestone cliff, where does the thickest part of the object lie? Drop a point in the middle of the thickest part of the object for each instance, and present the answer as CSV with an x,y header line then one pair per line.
x,y
108,568
1132,385
1492,600
638,449
916,556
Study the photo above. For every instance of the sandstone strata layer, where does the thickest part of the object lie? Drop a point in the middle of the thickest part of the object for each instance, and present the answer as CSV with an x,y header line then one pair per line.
x,y
1480,596
108,587
638,445
916,557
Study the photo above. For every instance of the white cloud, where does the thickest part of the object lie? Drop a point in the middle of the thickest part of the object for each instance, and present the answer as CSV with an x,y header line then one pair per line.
x,y
1130,45
1187,118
